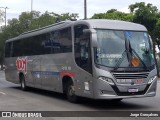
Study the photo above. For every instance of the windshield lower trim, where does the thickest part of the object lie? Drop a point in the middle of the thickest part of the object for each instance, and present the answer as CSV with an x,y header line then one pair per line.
x,y
126,69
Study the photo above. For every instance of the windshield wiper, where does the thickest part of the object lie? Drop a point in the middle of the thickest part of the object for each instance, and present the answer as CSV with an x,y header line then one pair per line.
x,y
132,50
139,58
120,60
128,51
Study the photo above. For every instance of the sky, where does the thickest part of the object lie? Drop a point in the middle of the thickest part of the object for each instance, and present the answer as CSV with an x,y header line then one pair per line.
x,y
16,7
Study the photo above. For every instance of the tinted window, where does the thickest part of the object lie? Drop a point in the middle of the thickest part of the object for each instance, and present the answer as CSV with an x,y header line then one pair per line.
x,y
28,46
52,42
42,44
55,42
8,48
61,41
65,40
82,48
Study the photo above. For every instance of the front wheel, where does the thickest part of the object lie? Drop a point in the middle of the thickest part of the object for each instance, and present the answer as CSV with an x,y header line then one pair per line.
x,y
71,93
23,83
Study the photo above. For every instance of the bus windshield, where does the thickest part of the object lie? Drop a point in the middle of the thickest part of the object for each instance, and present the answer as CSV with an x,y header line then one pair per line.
x,y
118,48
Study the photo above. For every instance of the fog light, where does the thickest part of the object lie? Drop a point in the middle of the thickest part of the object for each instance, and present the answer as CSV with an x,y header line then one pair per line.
x,y
108,80
152,79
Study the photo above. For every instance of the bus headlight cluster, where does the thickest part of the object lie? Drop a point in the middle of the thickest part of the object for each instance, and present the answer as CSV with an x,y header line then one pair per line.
x,y
152,79
108,80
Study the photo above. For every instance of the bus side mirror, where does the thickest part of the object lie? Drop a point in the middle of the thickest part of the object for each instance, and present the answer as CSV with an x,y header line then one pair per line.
x,y
87,31
93,37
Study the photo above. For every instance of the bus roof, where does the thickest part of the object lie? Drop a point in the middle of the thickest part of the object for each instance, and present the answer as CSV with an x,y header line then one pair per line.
x,y
113,24
92,23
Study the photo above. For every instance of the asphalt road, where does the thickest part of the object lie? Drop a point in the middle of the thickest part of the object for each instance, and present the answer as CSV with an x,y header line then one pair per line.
x,y
12,98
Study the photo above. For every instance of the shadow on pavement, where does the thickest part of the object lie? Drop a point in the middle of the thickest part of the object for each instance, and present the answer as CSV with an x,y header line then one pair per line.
x,y
90,103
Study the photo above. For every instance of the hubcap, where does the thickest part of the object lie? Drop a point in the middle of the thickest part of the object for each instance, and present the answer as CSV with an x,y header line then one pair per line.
x,y
71,91
22,83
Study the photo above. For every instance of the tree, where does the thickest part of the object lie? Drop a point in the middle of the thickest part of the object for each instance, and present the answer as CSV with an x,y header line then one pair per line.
x,y
145,14
114,15
43,20
148,15
1,16
156,32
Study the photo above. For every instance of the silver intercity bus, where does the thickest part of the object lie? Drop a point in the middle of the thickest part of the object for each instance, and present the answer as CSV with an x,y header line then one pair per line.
x,y
99,59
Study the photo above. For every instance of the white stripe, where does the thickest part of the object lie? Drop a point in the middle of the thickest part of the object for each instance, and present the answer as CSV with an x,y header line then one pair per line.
x,y
3,93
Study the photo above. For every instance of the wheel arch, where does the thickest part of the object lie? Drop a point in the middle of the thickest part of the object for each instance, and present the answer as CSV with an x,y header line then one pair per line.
x,y
65,81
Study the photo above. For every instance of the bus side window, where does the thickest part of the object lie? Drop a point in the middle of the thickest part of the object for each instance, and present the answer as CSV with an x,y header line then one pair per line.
x,y
82,48
61,40
16,49
65,40
8,49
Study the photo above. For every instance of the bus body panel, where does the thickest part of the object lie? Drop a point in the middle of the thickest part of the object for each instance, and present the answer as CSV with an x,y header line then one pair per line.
x,y
48,71
11,70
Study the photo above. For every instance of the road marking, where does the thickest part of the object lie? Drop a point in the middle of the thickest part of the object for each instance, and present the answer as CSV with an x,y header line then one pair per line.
x,y
3,93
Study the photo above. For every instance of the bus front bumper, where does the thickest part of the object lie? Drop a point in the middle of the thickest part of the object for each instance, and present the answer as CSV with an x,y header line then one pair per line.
x,y
106,91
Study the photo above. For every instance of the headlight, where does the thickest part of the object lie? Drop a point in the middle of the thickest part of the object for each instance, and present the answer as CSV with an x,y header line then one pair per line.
x,y
108,80
152,79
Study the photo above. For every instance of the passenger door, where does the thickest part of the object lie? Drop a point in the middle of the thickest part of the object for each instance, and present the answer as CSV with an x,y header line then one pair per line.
x,y
82,52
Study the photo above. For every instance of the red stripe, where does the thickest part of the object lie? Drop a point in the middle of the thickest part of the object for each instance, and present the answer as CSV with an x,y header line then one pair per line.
x,y
70,74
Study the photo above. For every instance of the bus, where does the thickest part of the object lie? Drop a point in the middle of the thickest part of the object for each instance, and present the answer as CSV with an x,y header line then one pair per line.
x,y
97,59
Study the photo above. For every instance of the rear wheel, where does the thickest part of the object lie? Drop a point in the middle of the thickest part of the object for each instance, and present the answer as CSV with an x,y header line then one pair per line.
x,y
23,83
70,92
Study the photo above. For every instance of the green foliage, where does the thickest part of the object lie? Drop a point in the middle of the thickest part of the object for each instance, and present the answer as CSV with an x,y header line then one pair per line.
x,y
156,32
145,14
149,16
114,15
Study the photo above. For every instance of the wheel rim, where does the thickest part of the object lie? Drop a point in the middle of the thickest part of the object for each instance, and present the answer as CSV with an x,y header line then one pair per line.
x,y
71,91
23,86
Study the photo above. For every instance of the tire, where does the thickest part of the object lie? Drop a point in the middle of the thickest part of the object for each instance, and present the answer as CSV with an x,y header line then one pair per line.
x,y
23,83
70,93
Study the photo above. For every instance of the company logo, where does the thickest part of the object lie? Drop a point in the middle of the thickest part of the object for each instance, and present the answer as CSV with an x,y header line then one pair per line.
x,y
21,65
139,81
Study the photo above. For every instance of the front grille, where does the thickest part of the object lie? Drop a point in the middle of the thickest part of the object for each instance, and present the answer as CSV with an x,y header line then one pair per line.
x,y
130,75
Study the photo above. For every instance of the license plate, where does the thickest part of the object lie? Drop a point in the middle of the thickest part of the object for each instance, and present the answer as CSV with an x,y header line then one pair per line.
x,y
132,90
